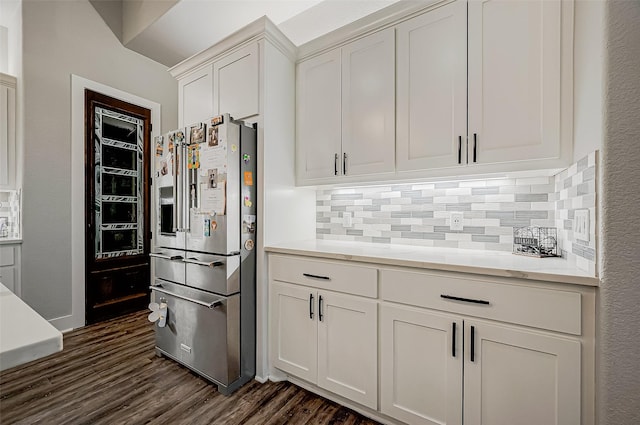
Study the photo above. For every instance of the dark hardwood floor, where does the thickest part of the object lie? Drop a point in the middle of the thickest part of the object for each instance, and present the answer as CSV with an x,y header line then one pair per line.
x,y
108,373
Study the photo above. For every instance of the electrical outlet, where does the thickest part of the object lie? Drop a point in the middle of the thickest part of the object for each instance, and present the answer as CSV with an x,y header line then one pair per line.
x,y
456,221
346,219
581,225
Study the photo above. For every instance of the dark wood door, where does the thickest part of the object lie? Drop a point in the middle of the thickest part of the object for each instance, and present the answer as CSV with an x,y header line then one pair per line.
x,y
117,224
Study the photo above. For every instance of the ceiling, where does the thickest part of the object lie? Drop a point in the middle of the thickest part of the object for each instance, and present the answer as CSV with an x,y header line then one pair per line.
x,y
169,31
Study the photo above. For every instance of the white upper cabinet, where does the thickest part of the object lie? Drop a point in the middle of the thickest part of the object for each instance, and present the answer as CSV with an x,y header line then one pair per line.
x,y
346,111
195,97
515,58
442,89
432,89
319,117
368,105
8,164
235,82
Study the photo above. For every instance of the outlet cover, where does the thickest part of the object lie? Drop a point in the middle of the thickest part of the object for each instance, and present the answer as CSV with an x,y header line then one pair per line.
x,y
456,221
581,225
347,219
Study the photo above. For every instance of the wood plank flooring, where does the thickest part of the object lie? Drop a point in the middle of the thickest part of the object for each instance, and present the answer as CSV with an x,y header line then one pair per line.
x,y
108,373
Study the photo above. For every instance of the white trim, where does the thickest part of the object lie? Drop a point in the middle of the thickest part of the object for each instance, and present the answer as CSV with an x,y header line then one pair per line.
x,y
78,85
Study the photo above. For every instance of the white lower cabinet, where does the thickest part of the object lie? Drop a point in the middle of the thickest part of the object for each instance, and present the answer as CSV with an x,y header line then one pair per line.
x,y
420,365
511,375
10,267
326,338
518,376
450,348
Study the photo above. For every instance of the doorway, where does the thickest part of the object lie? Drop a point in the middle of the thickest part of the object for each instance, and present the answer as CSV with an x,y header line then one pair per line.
x,y
117,226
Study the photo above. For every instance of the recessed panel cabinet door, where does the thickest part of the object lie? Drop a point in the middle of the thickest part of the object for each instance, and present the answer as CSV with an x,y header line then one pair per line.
x,y
514,371
348,347
432,89
319,138
420,366
368,104
195,97
514,80
294,329
235,82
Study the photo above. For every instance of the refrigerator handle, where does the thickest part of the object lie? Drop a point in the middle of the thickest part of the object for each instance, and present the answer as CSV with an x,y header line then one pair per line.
x,y
176,197
186,190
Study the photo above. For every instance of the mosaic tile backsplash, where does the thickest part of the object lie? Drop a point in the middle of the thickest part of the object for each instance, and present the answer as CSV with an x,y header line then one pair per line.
x,y
10,212
576,190
419,213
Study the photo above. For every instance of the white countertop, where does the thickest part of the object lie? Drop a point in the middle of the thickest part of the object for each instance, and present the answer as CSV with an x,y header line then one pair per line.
x,y
6,241
24,335
491,263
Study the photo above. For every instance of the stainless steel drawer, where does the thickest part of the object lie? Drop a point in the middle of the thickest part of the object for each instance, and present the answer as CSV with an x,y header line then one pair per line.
x,y
202,331
213,273
169,264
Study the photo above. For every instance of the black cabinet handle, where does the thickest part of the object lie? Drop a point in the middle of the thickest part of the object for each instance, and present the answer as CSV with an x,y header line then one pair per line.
x,y
466,300
453,339
475,145
459,149
473,343
344,164
320,308
335,165
315,276
311,306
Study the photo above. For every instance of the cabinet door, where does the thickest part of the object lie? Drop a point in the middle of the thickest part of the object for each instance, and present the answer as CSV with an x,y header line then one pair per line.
x,y
235,82
348,347
294,343
514,80
432,89
195,97
7,131
368,104
319,137
420,366
520,377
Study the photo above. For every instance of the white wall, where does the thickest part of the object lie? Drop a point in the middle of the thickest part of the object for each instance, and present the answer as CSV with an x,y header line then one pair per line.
x,y
588,78
619,293
137,15
61,38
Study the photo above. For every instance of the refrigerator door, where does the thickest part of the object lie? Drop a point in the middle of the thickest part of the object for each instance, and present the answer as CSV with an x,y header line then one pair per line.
x,y
212,219
168,190
202,331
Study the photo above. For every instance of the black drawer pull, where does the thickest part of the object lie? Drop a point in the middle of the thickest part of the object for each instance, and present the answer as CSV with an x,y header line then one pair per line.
x,y
311,306
453,339
473,344
315,276
466,300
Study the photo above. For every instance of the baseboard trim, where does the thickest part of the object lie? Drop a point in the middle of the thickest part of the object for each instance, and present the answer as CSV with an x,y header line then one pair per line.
x,y
364,411
261,379
64,323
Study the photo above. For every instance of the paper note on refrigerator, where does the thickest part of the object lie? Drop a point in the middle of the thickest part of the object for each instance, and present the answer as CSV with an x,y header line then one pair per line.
x,y
213,200
213,157
196,225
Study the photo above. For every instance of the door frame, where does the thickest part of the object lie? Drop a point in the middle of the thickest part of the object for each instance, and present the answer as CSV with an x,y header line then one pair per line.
x,y
78,85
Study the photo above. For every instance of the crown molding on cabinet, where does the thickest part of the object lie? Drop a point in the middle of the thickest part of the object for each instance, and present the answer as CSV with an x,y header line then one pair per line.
x,y
383,18
261,28
8,80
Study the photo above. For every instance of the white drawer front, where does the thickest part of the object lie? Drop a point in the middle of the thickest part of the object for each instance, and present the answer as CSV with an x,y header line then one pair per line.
x,y
550,309
329,275
6,256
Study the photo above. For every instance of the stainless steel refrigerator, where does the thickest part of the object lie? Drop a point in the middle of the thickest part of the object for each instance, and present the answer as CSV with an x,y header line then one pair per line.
x,y
204,256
